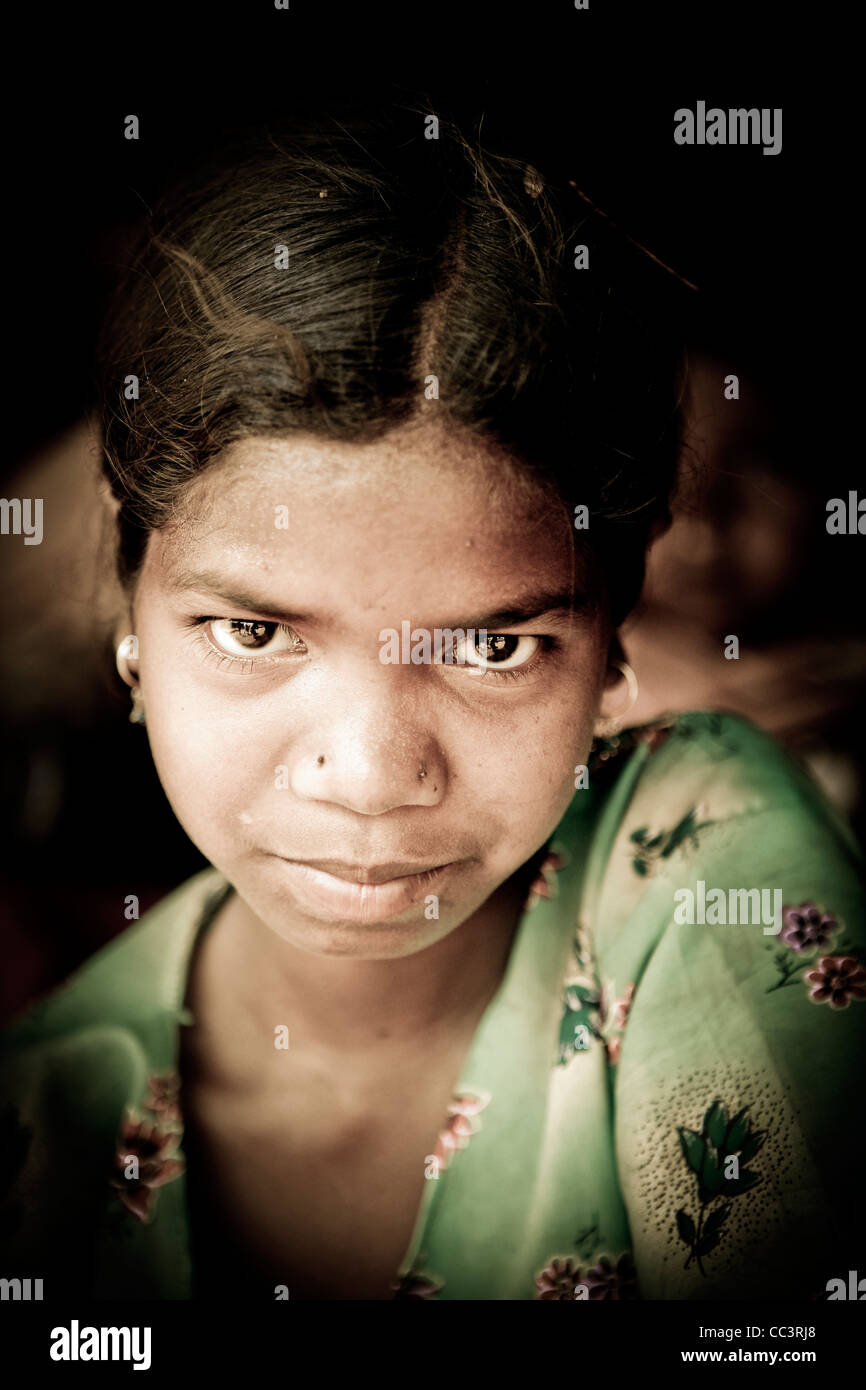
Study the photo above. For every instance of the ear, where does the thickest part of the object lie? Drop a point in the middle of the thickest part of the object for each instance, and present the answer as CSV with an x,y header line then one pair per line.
x,y
615,652
609,724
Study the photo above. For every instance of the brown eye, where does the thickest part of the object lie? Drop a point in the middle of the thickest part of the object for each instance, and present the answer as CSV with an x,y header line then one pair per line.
x,y
244,636
500,651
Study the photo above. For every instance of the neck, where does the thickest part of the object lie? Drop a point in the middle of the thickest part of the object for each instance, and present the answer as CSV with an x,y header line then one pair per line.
x,y
247,980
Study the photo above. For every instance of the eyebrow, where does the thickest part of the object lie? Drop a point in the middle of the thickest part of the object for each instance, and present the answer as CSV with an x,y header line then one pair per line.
x,y
558,606
552,605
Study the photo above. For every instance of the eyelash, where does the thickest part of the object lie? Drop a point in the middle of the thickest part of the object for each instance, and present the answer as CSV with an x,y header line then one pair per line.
x,y
548,645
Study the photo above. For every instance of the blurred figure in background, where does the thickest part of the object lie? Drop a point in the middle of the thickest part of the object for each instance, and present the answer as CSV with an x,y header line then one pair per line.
x,y
68,751
748,556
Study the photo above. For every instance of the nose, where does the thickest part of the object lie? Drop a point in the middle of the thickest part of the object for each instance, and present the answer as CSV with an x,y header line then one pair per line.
x,y
369,756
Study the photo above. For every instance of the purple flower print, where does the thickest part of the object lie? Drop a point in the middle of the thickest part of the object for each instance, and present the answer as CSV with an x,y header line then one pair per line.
x,y
806,930
806,927
559,1280
604,1281
563,1279
836,980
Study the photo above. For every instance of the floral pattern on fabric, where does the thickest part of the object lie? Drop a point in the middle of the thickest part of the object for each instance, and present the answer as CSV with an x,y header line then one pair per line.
x,y
462,1124
647,848
720,739
580,1021
163,1097
714,1155
583,1002
565,1280
835,979
806,926
150,1147
614,1019
544,885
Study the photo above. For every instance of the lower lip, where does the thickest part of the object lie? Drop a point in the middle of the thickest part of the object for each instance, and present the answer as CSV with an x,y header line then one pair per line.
x,y
360,902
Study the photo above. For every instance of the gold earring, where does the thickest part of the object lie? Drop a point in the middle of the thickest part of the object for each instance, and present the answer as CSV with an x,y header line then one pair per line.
x,y
610,725
136,714
127,651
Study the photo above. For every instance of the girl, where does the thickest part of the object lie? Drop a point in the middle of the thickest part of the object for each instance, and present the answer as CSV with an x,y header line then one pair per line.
x,y
473,1002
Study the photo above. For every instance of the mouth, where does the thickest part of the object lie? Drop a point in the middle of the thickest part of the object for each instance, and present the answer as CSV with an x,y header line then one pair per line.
x,y
369,873
362,893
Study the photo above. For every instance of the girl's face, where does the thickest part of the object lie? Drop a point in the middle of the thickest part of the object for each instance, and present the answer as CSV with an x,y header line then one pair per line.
x,y
279,733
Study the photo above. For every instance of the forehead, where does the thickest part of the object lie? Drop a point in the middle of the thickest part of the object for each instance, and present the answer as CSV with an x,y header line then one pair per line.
x,y
438,506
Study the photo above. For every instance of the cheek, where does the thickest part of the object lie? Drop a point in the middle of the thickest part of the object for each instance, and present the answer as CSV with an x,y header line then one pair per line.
x,y
206,785
529,769
210,763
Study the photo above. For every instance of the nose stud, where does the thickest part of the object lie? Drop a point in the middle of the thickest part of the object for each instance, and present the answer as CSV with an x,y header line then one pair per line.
x,y
421,775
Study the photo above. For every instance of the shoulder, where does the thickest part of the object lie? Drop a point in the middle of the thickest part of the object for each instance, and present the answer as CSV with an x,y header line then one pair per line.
x,y
710,787
728,915
727,761
91,1064
135,978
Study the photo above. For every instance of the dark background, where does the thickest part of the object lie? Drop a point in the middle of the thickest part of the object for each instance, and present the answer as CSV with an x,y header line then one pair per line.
x,y
588,95
594,91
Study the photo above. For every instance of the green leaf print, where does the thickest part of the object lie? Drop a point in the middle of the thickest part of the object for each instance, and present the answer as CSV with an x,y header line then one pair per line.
x,y
579,1021
714,1123
708,1156
686,1227
648,848
693,1148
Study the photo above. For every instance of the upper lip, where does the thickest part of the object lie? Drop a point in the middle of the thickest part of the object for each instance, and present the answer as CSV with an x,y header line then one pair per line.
x,y
368,873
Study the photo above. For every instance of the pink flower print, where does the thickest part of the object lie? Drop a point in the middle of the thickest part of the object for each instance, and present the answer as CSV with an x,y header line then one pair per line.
x,y
150,1146
616,1014
559,1280
562,1279
163,1092
615,1019
460,1127
621,1007
836,981
544,884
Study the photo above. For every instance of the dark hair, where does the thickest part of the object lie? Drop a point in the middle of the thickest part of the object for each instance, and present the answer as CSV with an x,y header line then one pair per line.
x,y
408,256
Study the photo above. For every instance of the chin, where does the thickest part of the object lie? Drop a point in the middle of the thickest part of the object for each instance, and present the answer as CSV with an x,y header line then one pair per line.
x,y
391,940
